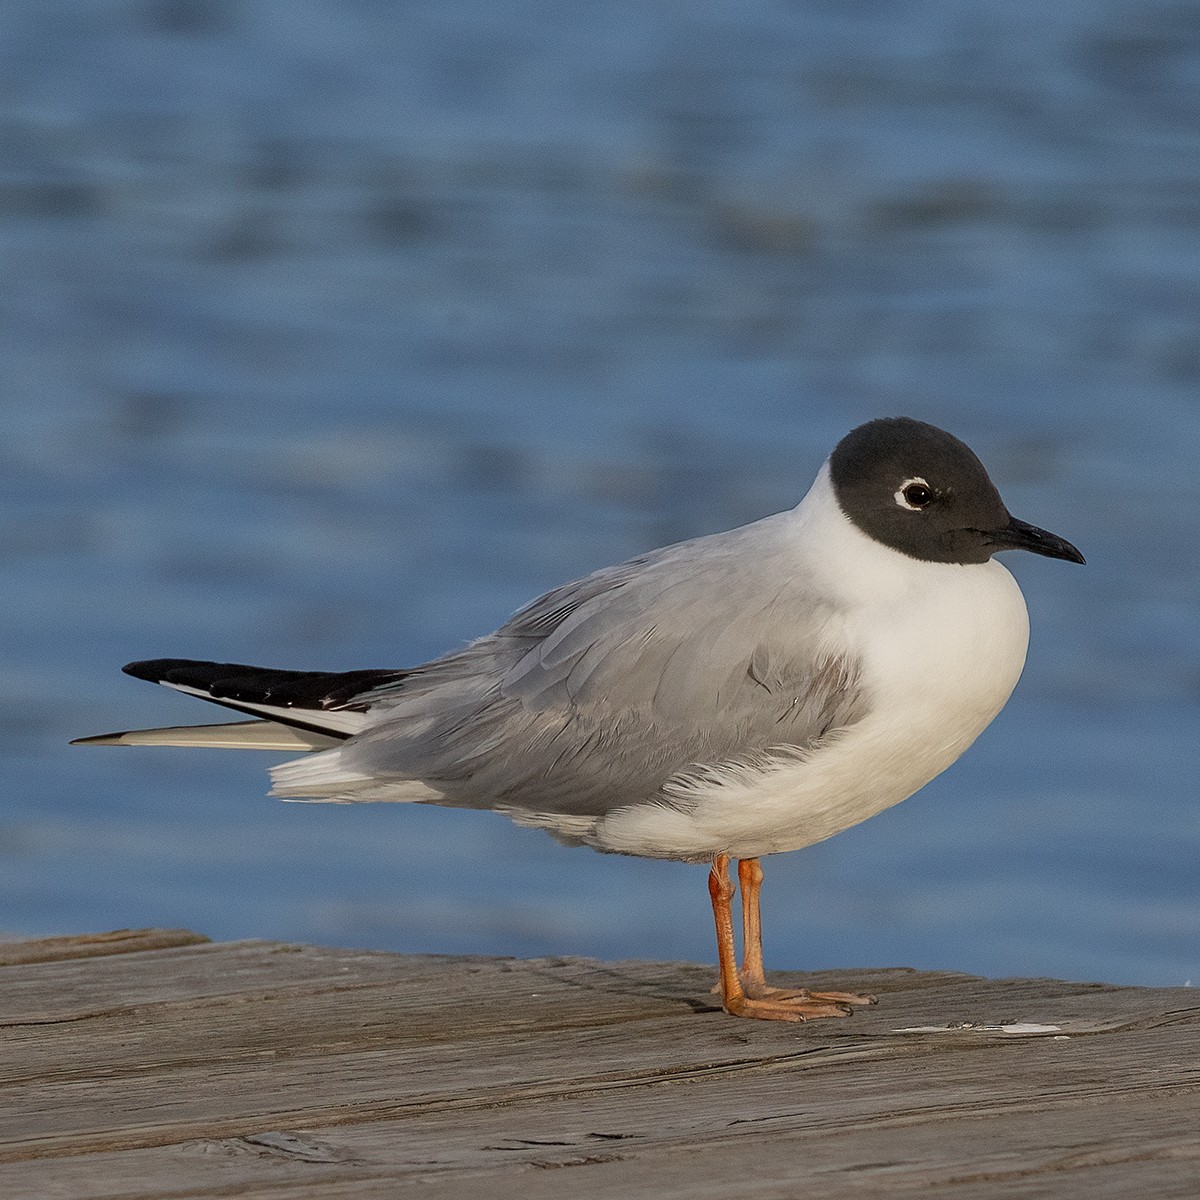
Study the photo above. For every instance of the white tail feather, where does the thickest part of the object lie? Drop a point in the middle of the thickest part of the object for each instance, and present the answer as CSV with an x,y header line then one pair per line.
x,y
325,777
236,735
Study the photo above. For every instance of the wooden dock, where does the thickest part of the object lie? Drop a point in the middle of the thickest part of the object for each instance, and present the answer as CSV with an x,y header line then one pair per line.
x,y
157,1064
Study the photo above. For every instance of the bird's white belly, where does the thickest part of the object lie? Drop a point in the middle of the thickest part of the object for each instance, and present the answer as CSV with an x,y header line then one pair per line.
x,y
938,665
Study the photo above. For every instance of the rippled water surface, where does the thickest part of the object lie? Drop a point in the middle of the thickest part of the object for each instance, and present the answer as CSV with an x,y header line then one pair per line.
x,y
333,332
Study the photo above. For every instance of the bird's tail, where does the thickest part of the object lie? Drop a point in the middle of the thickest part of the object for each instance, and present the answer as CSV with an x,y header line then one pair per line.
x,y
295,710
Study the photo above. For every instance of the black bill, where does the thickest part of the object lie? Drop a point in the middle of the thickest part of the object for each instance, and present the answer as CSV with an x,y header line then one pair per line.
x,y
1019,535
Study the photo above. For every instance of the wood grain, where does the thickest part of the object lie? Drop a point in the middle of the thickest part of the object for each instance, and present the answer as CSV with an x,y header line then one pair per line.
x,y
173,1067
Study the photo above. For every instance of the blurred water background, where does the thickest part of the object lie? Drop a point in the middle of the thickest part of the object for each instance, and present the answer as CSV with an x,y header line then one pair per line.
x,y
333,331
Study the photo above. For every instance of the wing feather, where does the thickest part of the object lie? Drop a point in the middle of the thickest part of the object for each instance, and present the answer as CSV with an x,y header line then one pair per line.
x,y
597,694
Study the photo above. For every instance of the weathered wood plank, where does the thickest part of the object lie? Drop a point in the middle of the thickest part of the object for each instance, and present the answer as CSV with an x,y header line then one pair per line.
x,y
259,1070
93,945
552,1150
692,1122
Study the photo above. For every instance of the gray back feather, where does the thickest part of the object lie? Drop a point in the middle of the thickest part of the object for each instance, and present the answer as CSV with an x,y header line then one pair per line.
x,y
597,693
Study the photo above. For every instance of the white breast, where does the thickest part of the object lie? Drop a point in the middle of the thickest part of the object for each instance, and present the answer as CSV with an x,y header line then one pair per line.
x,y
941,647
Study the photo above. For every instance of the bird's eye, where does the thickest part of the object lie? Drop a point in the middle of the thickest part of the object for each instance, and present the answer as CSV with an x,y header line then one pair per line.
x,y
914,494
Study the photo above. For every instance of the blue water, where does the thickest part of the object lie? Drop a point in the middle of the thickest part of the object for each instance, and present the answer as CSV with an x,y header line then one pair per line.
x,y
333,332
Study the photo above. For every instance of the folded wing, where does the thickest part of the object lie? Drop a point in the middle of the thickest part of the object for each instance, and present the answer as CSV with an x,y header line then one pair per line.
x,y
597,694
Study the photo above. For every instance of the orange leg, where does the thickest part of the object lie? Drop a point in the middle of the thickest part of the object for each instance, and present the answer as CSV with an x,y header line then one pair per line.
x,y
720,889
746,994
750,877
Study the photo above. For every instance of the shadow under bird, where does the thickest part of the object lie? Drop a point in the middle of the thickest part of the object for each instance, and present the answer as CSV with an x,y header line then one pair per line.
x,y
729,697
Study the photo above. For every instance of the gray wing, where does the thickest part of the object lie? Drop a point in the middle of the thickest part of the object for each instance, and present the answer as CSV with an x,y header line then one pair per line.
x,y
600,691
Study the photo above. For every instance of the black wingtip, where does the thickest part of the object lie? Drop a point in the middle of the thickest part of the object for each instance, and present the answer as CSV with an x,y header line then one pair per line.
x,y
224,682
154,670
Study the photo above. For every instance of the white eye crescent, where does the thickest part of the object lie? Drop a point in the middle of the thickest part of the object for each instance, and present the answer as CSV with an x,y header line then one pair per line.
x,y
914,494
